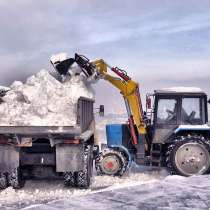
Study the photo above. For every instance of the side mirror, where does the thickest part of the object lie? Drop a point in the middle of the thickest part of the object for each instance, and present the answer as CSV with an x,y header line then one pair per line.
x,y
149,103
208,101
101,110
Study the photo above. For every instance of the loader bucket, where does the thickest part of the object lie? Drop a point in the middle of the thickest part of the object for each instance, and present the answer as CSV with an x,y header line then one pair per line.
x,y
64,66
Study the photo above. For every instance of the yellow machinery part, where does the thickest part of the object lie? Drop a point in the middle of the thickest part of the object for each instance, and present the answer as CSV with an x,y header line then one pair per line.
x,y
129,90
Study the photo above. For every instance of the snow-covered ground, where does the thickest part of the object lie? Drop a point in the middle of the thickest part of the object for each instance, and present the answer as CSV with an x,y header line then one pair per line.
x,y
39,193
171,193
140,188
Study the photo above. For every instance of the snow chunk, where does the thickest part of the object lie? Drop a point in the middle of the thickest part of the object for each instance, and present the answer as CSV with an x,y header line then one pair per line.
x,y
58,57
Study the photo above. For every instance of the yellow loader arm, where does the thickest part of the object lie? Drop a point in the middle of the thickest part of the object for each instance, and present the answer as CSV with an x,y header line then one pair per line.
x,y
129,90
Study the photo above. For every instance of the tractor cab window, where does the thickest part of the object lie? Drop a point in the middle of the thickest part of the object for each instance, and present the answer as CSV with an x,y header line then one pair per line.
x,y
167,111
192,111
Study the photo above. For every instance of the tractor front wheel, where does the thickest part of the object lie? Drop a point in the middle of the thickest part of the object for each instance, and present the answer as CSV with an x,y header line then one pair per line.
x,y
111,162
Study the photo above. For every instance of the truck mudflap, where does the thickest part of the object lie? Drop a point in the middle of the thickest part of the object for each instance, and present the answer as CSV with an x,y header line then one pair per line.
x,y
69,157
9,158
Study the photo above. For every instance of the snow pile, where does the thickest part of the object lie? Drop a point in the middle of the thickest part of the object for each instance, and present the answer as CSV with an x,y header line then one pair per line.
x,y
43,101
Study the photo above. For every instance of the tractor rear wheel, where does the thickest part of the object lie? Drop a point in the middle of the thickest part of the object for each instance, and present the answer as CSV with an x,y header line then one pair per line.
x,y
111,162
188,155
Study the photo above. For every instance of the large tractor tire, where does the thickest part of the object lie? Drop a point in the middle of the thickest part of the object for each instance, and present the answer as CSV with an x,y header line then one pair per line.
x,y
188,155
84,177
3,181
111,162
15,179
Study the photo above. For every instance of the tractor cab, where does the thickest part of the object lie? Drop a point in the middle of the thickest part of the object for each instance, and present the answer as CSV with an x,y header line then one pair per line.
x,y
174,107
177,130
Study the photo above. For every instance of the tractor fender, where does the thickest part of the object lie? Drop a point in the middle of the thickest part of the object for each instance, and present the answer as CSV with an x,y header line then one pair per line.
x,y
192,128
187,129
200,129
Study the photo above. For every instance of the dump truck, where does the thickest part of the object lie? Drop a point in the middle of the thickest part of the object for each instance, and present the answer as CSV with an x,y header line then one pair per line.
x,y
173,132
48,152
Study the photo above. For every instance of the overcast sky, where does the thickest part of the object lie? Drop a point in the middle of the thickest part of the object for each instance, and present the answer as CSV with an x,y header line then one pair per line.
x,y
160,43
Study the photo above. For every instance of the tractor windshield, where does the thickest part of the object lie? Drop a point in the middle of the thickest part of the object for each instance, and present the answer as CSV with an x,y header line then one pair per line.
x,y
192,111
167,111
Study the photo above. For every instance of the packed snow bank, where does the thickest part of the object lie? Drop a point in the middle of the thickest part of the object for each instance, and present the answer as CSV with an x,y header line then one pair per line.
x,y
43,101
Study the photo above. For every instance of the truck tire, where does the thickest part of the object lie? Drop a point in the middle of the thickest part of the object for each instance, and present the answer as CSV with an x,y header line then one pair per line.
x,y
84,177
15,179
188,155
3,181
111,162
69,179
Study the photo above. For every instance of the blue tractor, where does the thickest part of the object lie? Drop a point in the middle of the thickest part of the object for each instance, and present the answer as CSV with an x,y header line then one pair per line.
x,y
177,137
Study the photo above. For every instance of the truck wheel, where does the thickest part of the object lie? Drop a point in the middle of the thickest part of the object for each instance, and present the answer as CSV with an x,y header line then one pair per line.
x,y
111,162
3,181
188,155
69,179
84,177
15,179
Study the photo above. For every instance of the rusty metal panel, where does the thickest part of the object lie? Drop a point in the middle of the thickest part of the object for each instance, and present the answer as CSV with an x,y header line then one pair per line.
x,y
69,157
